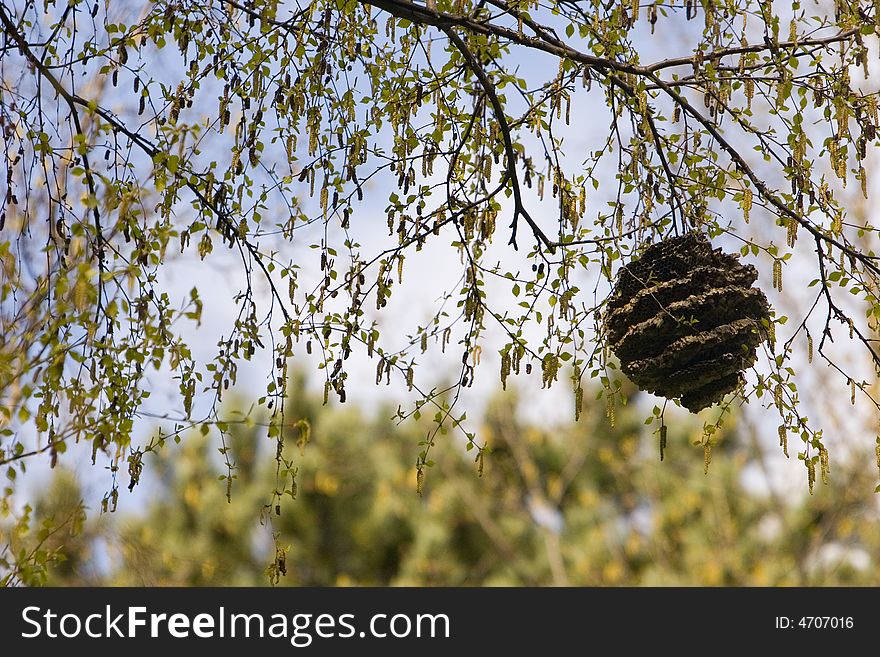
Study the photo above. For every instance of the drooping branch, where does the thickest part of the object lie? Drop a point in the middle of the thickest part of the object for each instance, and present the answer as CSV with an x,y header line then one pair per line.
x,y
675,200
75,101
834,311
82,149
510,173
760,185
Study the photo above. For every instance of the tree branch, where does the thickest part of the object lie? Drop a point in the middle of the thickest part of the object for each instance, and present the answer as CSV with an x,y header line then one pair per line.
x,y
510,153
11,30
147,147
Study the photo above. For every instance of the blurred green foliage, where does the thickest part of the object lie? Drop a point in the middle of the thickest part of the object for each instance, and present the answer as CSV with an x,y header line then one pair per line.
x,y
557,504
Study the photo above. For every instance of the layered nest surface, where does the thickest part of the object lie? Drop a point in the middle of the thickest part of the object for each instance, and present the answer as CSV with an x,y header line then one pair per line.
x,y
685,321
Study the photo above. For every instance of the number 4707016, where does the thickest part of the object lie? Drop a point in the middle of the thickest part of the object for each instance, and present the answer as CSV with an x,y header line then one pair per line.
x,y
823,622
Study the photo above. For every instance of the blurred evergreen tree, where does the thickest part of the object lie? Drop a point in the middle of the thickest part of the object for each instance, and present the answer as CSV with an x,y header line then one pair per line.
x,y
582,503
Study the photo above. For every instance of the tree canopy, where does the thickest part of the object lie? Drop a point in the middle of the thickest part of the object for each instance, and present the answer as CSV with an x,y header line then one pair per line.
x,y
327,150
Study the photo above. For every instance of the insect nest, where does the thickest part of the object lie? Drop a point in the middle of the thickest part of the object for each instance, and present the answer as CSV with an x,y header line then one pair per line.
x,y
685,321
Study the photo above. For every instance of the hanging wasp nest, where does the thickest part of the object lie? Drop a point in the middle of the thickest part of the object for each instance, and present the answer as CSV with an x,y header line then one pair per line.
x,y
685,321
